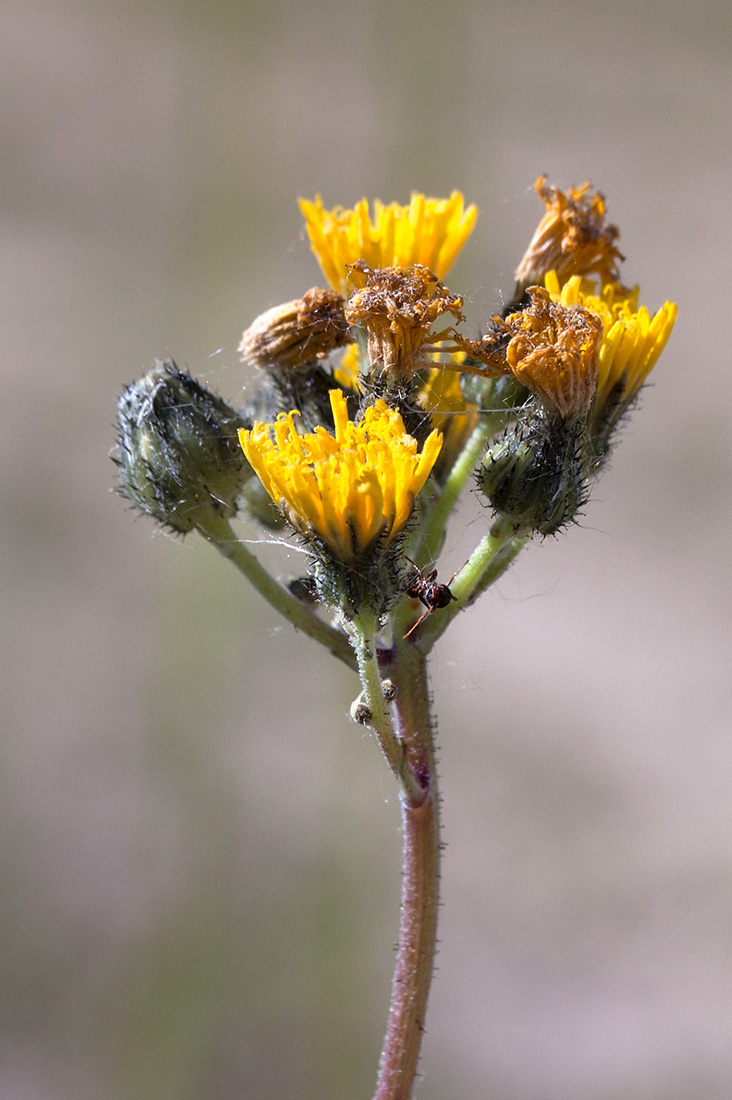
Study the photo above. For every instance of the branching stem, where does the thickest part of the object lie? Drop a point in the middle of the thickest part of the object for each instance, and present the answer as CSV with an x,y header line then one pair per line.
x,y
362,631
490,559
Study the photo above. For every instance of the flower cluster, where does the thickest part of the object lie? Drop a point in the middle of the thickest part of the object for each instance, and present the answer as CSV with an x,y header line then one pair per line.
x,y
373,411
345,452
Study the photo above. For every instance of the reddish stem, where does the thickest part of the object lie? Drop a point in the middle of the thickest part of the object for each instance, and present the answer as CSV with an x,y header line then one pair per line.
x,y
420,881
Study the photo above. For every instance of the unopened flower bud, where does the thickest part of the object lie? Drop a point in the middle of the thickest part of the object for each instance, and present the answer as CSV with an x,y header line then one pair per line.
x,y
296,333
178,453
534,477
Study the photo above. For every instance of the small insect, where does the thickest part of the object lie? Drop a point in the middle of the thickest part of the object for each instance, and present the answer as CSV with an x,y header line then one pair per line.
x,y
427,589
303,589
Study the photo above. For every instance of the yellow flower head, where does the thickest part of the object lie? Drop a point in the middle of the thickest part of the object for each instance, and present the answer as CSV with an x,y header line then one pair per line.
x,y
631,340
348,489
552,351
430,232
571,239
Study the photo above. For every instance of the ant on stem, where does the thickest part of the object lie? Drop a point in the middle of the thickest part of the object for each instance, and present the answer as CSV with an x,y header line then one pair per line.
x,y
431,594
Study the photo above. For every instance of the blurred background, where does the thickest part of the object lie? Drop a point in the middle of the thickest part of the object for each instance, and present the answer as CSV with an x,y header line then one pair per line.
x,y
200,853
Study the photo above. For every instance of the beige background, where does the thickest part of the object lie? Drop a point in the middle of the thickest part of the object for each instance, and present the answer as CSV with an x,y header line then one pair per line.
x,y
199,875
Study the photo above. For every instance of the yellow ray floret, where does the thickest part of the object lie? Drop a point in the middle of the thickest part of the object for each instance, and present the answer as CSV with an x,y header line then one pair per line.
x,y
350,488
428,231
631,339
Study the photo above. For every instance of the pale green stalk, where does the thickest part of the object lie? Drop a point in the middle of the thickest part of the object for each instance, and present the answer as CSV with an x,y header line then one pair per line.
x,y
490,559
362,632
220,533
432,532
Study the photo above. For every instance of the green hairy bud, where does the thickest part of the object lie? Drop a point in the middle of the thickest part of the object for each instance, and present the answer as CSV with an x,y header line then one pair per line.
x,y
534,475
177,452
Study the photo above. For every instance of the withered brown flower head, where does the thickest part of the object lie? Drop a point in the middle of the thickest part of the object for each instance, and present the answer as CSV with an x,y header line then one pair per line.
x,y
398,306
296,333
552,351
572,238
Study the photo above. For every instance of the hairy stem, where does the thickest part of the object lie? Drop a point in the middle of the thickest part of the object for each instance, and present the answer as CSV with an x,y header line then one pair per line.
x,y
221,534
420,879
362,632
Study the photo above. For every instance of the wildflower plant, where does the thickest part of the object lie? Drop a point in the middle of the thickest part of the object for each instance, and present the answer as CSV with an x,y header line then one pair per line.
x,y
362,454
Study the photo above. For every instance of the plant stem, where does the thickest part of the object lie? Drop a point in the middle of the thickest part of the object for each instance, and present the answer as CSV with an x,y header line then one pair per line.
x,y
490,559
433,531
362,632
221,534
420,879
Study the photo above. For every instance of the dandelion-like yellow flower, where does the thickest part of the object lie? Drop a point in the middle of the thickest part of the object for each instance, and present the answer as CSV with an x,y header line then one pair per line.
x,y
348,489
631,340
430,232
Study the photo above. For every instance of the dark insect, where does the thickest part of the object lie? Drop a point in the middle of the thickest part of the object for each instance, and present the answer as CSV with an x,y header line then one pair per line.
x,y
426,588
303,589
